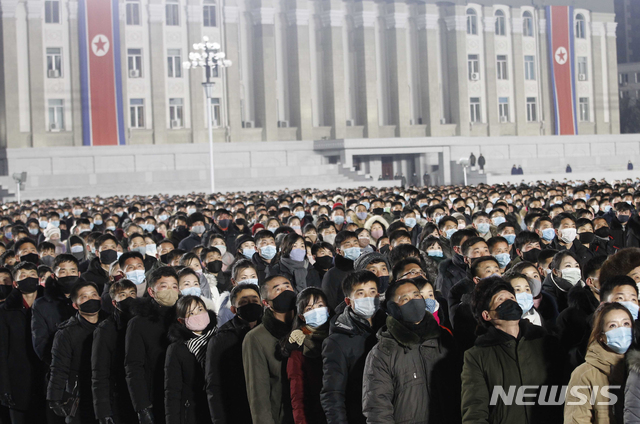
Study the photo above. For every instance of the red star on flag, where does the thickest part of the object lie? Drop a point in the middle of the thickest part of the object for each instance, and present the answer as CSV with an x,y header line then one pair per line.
x,y
100,45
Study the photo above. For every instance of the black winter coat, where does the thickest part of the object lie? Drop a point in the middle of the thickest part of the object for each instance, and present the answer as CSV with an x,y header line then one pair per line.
x,y
96,274
450,272
332,280
262,268
185,401
21,371
47,313
108,379
146,346
226,387
190,242
461,315
577,248
313,277
344,353
558,288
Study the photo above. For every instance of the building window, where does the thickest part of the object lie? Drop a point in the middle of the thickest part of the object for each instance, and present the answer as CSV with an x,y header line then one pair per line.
x,y
580,26
54,62
637,94
176,113
530,68
527,24
624,94
532,109
215,112
623,79
52,12
472,22
583,70
637,77
174,63
502,68
136,113
134,63
172,9
474,67
133,12
209,13
584,109
475,109
503,109
501,23
56,115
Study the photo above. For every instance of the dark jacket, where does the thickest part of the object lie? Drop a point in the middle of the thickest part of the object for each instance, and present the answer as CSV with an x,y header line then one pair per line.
x,y
412,378
632,388
146,345
71,364
632,234
313,278
21,371
149,263
558,288
47,312
343,354
500,361
262,268
450,272
332,280
108,378
461,315
577,248
190,242
226,387
185,400
96,274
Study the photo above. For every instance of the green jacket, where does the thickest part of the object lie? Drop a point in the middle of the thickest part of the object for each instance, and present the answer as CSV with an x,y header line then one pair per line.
x,y
500,362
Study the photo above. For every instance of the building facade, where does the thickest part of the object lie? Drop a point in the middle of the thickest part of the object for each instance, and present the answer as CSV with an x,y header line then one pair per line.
x,y
627,16
309,70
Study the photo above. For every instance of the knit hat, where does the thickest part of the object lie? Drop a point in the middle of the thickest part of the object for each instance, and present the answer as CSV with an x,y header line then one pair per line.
x,y
51,230
257,227
364,260
243,239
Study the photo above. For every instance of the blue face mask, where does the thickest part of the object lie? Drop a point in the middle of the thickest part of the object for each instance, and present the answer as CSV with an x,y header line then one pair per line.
x,y
483,228
525,300
33,231
632,307
352,253
411,222
498,220
163,217
548,234
248,253
438,218
366,205
268,252
299,214
97,221
43,224
137,276
435,253
503,259
361,215
619,339
55,223
511,238
607,208
298,255
450,232
338,219
316,317
111,228
191,291
431,305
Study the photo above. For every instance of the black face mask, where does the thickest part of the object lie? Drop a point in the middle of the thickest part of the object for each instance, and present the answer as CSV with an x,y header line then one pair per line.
x,y
28,285
47,260
383,283
284,302
324,262
623,218
5,291
125,305
91,306
531,255
603,232
66,283
224,223
378,211
214,266
30,257
164,258
460,209
250,312
384,249
509,310
241,222
586,238
108,257
411,312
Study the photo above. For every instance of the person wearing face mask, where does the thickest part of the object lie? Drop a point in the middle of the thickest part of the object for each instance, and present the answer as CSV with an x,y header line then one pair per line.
x,y
292,263
566,237
525,289
604,366
266,252
447,227
106,254
145,346
303,348
263,367
6,284
138,244
603,240
21,388
411,337
565,274
225,377
482,224
189,285
510,353
71,357
111,399
499,249
376,263
196,223
352,334
185,401
322,253
347,251
451,271
377,226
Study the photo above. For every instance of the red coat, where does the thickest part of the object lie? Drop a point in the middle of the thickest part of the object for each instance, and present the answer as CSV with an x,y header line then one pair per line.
x,y
305,379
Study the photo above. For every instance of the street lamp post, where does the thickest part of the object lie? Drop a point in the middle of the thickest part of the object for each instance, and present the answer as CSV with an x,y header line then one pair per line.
x,y
207,55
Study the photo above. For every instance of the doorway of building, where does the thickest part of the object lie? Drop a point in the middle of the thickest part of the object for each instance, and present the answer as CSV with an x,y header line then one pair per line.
x,y
387,167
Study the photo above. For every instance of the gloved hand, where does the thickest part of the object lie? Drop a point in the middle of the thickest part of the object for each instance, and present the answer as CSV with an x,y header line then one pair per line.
x,y
58,408
107,420
145,416
7,401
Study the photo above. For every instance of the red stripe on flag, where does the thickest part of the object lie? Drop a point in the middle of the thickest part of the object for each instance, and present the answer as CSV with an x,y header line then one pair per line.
x,y
562,60
101,73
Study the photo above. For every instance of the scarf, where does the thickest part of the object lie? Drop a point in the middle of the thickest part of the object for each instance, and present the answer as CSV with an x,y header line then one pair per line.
x,y
275,327
198,346
312,346
299,271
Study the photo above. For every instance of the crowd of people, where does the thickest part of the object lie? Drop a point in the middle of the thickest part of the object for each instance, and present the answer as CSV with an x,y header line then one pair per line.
x,y
456,304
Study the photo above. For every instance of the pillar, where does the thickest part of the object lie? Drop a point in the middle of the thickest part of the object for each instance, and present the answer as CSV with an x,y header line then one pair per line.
x,y
10,121
333,68
157,71
37,70
375,166
231,49
427,25
366,70
491,75
196,92
614,99
456,47
520,102
396,22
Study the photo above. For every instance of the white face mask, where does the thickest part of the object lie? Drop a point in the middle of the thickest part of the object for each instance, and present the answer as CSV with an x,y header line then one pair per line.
x,y
568,235
572,275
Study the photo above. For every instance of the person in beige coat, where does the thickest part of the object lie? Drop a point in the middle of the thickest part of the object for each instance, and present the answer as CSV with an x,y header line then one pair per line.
x,y
594,394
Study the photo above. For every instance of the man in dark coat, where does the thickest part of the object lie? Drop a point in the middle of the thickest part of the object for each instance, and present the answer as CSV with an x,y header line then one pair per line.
x,y
69,389
412,337
352,335
21,371
197,228
451,271
266,251
472,160
481,162
107,254
332,280
111,400
146,345
226,386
